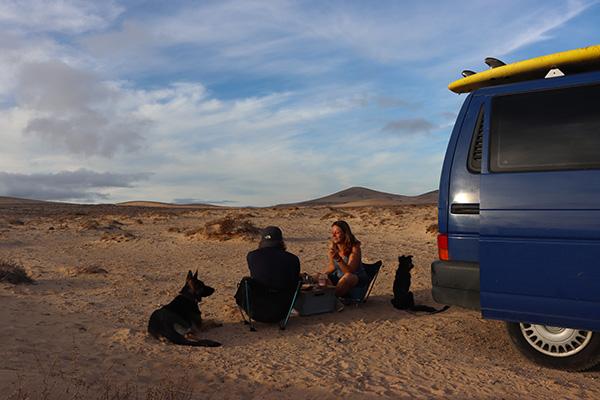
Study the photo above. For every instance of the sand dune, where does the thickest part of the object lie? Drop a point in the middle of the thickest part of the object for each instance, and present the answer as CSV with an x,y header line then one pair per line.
x,y
80,331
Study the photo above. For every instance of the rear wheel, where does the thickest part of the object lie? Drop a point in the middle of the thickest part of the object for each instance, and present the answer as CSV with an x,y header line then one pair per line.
x,y
555,347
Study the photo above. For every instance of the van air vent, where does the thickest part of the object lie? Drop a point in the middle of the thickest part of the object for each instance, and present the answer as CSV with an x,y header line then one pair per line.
x,y
476,148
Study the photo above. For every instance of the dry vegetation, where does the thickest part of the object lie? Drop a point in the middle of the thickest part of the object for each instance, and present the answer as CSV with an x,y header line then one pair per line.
x,y
87,270
56,384
336,214
230,227
13,272
433,229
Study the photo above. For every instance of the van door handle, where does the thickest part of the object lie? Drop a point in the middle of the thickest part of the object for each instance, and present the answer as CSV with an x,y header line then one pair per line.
x,y
464,208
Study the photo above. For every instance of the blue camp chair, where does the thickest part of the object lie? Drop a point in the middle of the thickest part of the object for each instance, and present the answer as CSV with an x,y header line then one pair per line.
x,y
263,304
360,294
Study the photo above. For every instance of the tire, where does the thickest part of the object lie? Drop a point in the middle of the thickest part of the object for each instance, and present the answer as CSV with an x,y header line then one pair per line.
x,y
554,347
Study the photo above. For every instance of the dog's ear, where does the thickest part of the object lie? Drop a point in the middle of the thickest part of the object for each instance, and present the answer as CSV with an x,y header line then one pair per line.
x,y
189,275
196,274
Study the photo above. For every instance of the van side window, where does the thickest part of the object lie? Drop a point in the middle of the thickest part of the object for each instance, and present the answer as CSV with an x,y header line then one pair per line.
x,y
548,130
474,162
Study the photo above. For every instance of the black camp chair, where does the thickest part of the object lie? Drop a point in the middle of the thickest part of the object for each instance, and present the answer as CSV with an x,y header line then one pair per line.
x,y
360,294
263,304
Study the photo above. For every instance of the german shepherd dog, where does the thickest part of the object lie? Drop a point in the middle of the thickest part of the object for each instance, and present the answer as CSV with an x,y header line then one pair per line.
x,y
403,297
182,317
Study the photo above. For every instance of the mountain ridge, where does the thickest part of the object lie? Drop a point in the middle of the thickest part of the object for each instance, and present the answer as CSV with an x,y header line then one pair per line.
x,y
357,196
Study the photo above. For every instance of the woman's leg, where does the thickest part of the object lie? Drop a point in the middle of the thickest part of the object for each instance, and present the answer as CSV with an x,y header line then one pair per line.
x,y
346,282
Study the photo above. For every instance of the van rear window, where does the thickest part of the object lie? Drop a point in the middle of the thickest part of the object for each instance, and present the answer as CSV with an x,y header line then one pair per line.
x,y
549,130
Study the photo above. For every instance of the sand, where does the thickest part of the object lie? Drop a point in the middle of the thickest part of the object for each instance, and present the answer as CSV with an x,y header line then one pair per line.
x,y
80,331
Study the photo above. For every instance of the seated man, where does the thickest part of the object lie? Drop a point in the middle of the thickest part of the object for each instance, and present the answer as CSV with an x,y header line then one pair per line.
x,y
274,277
271,265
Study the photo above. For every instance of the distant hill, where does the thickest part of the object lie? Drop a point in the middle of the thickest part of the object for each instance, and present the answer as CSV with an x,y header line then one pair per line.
x,y
360,196
142,203
12,201
352,197
4,200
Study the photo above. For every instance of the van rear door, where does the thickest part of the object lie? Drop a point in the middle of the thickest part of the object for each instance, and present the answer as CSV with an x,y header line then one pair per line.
x,y
540,208
463,193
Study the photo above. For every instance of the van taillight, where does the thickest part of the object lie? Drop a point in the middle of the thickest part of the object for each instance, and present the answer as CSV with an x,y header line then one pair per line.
x,y
443,247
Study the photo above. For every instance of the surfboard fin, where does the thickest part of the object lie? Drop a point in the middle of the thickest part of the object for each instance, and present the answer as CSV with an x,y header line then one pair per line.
x,y
554,73
493,62
467,72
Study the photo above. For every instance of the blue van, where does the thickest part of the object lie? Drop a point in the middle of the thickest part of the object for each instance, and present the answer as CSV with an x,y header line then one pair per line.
x,y
519,215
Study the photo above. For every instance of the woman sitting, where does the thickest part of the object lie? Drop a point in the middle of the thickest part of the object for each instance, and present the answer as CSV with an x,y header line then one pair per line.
x,y
345,269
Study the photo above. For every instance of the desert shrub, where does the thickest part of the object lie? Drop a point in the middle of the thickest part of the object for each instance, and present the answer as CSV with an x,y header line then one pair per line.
x,y
93,225
227,228
336,215
398,212
194,231
14,273
433,229
119,237
90,269
90,225
245,215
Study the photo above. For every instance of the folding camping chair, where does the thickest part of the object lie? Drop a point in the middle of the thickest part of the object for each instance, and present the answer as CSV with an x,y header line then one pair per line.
x,y
360,294
263,304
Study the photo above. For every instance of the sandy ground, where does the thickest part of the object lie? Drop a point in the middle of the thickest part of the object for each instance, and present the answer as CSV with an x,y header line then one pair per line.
x,y
77,334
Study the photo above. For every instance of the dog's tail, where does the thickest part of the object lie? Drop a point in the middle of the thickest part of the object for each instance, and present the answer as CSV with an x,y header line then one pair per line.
x,y
427,309
173,336
200,343
176,338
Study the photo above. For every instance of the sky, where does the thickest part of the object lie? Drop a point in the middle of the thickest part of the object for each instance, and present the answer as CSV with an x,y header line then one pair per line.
x,y
248,103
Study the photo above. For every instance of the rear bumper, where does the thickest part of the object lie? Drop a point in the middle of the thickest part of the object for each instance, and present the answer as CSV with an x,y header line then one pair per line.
x,y
456,283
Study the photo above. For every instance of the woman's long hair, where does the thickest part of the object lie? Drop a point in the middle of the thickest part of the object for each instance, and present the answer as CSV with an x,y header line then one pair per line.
x,y
349,239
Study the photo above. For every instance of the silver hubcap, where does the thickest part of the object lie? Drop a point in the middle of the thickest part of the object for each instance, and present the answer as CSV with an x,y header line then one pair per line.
x,y
555,341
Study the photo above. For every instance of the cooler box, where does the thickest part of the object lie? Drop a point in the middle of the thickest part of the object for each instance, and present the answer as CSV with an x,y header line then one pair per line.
x,y
316,301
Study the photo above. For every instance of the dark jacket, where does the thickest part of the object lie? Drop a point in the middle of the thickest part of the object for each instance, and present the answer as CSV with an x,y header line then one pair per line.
x,y
274,267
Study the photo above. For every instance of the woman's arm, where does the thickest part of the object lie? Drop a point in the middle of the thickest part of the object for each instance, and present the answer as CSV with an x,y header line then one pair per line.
x,y
330,266
353,260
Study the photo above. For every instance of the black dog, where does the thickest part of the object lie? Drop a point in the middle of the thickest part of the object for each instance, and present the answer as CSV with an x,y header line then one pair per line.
x,y
403,297
182,316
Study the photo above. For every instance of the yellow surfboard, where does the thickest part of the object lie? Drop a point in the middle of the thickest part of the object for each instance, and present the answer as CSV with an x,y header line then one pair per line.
x,y
572,61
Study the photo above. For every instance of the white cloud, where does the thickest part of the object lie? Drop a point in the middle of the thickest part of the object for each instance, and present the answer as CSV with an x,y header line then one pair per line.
x,y
74,16
410,126
188,110
79,185
536,26
73,109
287,37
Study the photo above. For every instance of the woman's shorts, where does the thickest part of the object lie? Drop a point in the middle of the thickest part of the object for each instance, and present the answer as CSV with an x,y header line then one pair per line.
x,y
362,279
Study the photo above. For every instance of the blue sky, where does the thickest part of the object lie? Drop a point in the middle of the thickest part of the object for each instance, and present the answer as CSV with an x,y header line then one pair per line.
x,y
248,102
